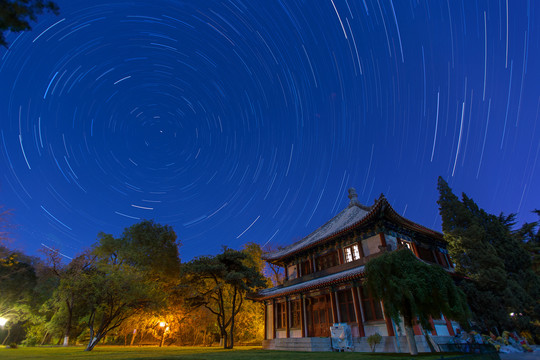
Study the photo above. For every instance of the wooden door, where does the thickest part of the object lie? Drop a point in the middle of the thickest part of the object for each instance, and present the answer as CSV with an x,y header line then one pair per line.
x,y
318,316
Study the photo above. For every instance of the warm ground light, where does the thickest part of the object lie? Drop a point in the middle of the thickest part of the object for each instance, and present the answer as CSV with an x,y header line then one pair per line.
x,y
198,353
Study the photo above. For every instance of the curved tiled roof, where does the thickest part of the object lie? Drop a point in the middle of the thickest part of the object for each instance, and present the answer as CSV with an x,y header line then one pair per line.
x,y
349,216
354,215
311,284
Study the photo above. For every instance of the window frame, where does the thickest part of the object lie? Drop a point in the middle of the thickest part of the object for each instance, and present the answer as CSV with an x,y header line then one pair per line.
x,y
347,305
354,255
370,306
296,316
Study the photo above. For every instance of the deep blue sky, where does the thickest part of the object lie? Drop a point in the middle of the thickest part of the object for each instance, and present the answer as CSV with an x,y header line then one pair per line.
x,y
236,121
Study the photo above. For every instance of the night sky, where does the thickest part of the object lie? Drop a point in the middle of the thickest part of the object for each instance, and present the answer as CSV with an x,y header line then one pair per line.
x,y
238,121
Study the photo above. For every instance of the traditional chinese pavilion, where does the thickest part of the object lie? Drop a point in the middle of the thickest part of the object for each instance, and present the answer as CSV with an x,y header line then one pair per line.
x,y
323,281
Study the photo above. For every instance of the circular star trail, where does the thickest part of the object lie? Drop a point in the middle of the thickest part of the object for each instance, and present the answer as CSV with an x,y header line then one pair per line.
x,y
237,121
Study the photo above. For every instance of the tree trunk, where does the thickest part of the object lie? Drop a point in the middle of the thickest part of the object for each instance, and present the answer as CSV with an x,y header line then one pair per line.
x,y
413,350
44,337
92,343
224,340
68,325
133,337
231,337
7,336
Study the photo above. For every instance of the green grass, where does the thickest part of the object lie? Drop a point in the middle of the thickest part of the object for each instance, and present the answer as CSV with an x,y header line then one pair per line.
x,y
191,353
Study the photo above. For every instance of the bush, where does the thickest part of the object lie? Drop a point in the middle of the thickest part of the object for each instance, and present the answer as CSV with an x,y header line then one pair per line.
x,y
30,341
374,340
13,345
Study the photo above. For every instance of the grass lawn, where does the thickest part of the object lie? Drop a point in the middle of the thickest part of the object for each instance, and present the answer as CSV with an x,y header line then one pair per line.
x,y
193,353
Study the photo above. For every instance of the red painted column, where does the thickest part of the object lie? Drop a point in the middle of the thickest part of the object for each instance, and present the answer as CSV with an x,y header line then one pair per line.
x,y
449,326
287,318
383,239
416,328
333,305
265,321
274,313
357,312
302,316
433,332
340,255
388,321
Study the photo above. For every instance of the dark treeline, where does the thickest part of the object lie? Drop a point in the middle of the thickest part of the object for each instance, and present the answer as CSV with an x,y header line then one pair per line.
x,y
498,262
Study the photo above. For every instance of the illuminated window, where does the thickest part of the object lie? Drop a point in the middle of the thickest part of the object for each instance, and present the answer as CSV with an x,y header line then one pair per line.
x,y
405,244
352,253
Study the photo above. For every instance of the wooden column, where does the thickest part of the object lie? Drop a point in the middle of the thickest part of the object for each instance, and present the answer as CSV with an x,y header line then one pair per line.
x,y
433,332
313,267
336,300
416,328
274,318
449,326
357,311
265,320
298,273
388,321
383,239
415,251
340,254
302,325
304,318
333,305
287,318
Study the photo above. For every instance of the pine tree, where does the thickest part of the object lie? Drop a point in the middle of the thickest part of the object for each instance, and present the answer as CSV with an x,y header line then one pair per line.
x,y
498,277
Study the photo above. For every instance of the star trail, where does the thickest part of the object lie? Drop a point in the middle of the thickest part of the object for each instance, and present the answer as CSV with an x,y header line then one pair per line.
x,y
238,121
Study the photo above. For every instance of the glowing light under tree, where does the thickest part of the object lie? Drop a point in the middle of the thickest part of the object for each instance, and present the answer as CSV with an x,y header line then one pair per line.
x,y
3,321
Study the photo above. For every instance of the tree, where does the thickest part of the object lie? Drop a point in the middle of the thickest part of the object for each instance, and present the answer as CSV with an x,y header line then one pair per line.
x,y
147,246
529,234
499,280
17,282
220,283
127,277
16,15
67,297
414,290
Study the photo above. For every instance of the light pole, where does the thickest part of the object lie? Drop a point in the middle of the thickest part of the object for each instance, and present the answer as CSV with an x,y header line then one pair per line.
x,y
162,325
3,322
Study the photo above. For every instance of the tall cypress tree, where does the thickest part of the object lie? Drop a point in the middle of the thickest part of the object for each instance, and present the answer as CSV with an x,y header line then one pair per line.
x,y
498,278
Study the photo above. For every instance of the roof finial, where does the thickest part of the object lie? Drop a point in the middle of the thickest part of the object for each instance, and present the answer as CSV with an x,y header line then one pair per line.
x,y
354,197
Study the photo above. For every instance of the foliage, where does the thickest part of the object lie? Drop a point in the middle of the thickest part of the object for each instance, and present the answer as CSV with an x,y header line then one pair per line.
x,y
146,246
529,234
413,289
373,340
16,15
497,267
17,281
220,283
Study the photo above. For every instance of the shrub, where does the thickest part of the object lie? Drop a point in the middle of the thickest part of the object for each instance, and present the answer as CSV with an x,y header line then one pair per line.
x,y
13,345
374,340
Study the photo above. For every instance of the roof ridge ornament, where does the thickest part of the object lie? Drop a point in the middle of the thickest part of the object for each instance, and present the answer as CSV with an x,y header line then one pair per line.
x,y
353,196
